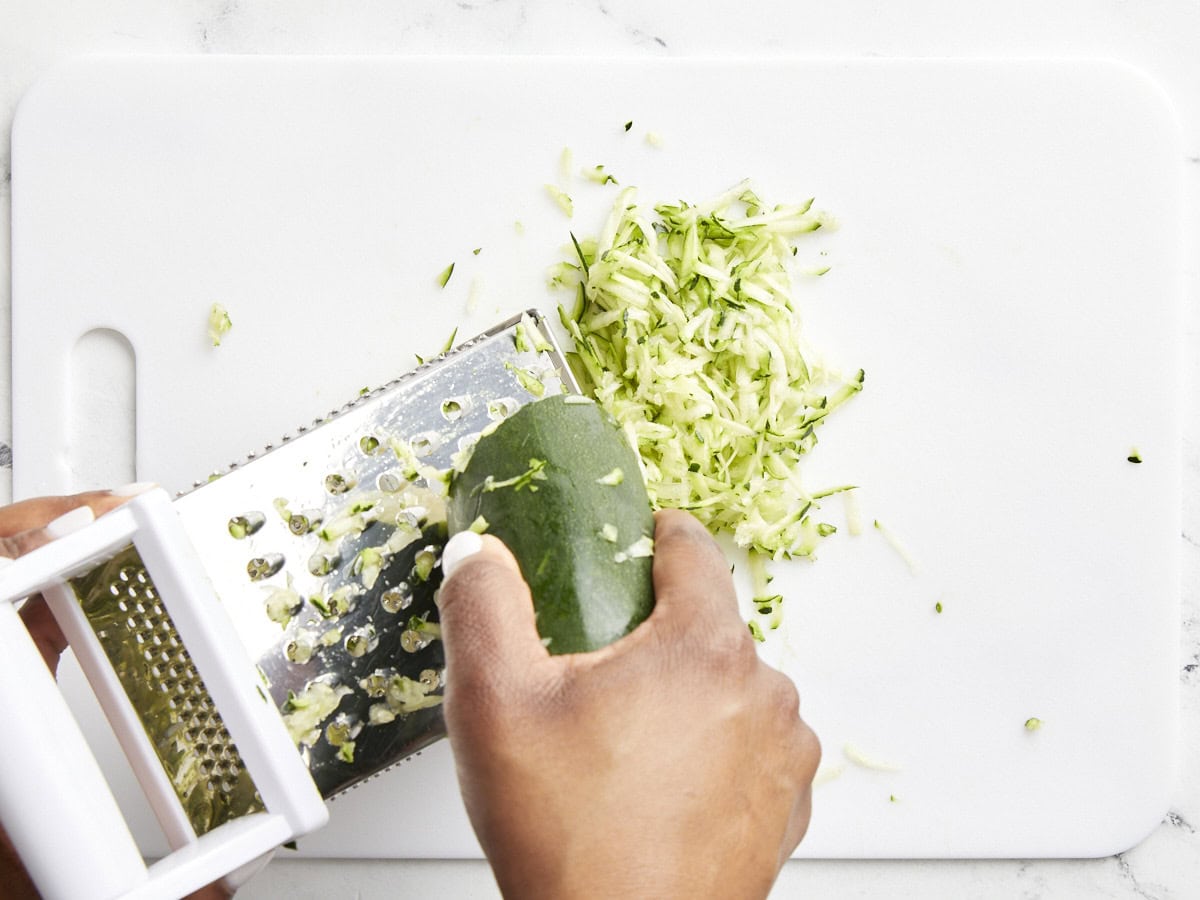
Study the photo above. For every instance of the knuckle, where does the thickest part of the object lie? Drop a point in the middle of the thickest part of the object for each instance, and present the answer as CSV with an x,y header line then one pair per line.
x,y
731,651
678,532
784,698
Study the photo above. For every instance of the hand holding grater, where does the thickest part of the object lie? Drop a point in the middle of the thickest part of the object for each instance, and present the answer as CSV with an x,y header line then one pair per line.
x,y
260,644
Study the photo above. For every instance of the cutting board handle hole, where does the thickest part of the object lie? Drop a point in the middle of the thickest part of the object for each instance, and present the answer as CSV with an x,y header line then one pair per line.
x,y
102,443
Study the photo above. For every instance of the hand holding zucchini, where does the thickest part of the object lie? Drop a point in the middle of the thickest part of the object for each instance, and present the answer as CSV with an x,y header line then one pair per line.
x,y
558,482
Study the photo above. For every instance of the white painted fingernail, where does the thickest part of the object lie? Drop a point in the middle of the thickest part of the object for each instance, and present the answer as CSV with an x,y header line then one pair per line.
x,y
463,545
70,521
132,490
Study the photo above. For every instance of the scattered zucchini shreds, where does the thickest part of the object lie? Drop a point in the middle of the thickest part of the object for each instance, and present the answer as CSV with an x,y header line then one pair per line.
x,y
368,564
1033,724
219,324
827,772
566,164
380,714
771,608
528,337
346,752
853,514
562,198
300,649
562,274
527,378
628,125
421,625
476,251
608,531
1134,456
756,631
894,543
519,227
892,798
450,340
641,548
535,472
654,139
406,695
760,578
580,254
937,607
598,175
282,603
444,277
474,291
423,564
613,478
304,712
479,526
685,331
861,759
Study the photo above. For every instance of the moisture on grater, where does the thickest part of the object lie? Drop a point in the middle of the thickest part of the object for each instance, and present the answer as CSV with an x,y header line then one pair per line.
x,y
138,637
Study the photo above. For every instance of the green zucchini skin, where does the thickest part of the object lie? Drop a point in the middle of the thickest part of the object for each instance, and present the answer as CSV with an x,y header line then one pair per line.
x,y
584,593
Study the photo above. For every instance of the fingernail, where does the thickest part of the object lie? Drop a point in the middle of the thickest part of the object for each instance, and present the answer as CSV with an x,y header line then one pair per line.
x,y
132,490
70,521
463,545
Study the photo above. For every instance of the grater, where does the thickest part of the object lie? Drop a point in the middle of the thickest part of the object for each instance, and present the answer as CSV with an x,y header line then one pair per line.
x,y
259,644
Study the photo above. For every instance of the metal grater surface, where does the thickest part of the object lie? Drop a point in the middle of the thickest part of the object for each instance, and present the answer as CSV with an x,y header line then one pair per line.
x,y
325,550
123,608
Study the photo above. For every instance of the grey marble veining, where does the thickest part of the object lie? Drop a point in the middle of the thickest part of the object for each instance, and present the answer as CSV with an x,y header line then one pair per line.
x,y
1161,38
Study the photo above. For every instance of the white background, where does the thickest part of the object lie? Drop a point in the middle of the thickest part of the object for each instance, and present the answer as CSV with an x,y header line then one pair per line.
x,y
1162,38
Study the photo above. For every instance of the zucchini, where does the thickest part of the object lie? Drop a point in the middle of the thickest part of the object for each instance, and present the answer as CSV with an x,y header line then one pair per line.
x,y
544,482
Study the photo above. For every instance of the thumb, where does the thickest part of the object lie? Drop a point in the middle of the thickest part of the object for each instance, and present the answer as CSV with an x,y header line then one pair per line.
x,y
489,628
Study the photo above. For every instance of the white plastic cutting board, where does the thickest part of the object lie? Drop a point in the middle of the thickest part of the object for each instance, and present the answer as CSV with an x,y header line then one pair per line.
x,y
1006,270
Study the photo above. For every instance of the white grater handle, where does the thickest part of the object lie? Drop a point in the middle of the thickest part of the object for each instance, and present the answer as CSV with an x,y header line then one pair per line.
x,y
53,795
54,798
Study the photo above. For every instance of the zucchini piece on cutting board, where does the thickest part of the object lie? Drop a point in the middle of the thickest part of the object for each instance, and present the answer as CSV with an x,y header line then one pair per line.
x,y
558,482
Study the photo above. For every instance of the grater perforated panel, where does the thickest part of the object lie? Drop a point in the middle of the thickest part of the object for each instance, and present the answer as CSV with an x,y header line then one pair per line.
x,y
122,605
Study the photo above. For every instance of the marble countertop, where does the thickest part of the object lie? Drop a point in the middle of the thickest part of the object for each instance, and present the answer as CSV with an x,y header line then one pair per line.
x,y
1161,37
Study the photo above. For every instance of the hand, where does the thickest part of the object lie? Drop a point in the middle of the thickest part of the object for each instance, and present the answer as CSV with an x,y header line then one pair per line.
x,y
24,527
672,763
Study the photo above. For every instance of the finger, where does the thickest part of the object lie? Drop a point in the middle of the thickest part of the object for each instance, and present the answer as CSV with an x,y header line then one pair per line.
x,y
806,757
73,513
488,625
21,523
39,622
43,628
692,583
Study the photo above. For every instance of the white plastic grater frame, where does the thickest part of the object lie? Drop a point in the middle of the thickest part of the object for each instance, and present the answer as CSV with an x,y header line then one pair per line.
x,y
54,801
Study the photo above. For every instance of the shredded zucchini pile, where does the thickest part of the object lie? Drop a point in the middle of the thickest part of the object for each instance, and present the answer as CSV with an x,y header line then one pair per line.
x,y
686,332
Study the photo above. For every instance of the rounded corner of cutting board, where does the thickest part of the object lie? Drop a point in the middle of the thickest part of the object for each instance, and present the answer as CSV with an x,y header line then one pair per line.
x,y
58,82
1148,93
1137,827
